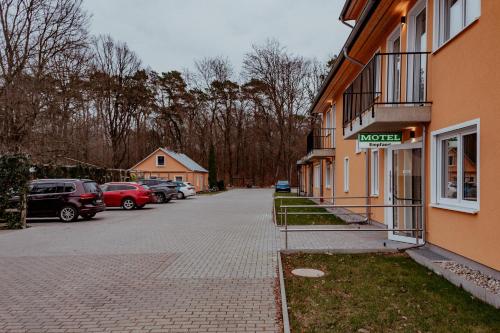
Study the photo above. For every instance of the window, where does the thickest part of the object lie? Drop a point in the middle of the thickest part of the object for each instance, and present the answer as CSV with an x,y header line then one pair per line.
x,y
456,167
178,178
44,188
328,175
346,174
453,16
328,123
160,160
317,175
334,123
91,187
374,172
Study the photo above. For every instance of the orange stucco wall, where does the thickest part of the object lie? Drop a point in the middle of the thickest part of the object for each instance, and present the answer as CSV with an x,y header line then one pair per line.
x,y
463,84
170,170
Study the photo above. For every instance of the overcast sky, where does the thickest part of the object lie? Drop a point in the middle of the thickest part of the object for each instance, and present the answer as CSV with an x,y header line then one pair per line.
x,y
171,34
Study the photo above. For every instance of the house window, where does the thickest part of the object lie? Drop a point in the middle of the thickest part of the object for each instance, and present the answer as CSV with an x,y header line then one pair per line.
x,y
346,174
317,175
328,123
456,168
328,175
374,172
454,16
178,178
160,160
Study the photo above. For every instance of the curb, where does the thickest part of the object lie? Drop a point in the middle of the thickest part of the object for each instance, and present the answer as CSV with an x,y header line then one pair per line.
x,y
284,305
469,286
339,251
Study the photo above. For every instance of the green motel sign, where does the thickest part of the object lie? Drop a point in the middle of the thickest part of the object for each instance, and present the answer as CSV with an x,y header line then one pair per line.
x,y
379,140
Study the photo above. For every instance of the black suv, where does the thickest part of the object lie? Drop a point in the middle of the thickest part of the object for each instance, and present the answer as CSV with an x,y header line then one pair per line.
x,y
164,190
65,198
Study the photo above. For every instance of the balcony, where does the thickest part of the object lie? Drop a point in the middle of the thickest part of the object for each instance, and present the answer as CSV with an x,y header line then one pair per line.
x,y
320,144
389,94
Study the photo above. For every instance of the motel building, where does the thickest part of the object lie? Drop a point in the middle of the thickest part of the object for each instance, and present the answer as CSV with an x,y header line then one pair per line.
x,y
410,119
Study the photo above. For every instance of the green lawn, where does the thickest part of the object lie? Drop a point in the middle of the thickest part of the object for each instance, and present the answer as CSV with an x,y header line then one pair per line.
x,y
303,219
379,293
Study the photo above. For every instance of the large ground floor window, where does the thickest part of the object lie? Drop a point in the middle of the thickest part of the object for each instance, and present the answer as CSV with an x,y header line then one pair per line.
x,y
455,173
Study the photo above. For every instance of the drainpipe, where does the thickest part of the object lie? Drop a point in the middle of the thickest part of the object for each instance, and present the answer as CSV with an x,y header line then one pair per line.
x,y
354,61
367,177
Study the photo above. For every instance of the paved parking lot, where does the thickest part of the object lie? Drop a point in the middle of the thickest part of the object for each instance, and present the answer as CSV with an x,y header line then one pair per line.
x,y
205,264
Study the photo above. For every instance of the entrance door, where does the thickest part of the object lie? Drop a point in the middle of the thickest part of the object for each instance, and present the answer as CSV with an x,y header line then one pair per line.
x,y
405,184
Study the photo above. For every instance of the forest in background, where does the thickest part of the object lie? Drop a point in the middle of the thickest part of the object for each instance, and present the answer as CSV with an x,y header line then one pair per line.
x,y
66,95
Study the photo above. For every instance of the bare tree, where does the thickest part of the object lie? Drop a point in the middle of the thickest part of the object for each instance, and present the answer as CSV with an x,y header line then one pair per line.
x,y
119,91
35,33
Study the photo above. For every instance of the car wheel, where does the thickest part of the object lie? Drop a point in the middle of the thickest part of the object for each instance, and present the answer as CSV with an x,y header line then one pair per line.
x,y
128,204
68,214
160,198
88,216
168,200
181,195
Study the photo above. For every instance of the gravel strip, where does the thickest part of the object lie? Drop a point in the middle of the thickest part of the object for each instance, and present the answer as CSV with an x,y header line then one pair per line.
x,y
482,280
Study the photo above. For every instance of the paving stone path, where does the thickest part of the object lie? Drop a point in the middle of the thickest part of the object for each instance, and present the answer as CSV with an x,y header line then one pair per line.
x,y
206,264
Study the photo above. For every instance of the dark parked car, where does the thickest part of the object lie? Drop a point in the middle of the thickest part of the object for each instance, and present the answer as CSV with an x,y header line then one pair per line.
x,y
126,195
163,190
282,186
65,198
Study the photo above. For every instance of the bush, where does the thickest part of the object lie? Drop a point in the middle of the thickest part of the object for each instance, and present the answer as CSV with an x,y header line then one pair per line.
x,y
14,178
220,185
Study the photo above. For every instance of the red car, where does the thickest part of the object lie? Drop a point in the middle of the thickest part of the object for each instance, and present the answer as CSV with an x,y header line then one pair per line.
x,y
126,195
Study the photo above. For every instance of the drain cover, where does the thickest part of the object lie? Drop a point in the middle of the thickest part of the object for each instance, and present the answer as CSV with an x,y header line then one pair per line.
x,y
308,272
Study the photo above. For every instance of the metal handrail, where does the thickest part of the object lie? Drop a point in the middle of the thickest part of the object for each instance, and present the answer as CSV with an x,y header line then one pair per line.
x,y
286,207
365,91
315,198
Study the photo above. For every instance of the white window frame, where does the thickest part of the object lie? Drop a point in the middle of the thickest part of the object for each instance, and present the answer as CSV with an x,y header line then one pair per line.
x,y
374,172
328,120
410,42
182,178
317,175
389,93
334,123
164,161
439,22
437,137
346,174
328,180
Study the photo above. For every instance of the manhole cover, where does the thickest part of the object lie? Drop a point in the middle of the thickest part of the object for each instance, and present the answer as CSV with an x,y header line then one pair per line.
x,y
308,272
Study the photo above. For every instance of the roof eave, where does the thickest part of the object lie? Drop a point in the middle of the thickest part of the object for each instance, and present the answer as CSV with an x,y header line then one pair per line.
x,y
360,24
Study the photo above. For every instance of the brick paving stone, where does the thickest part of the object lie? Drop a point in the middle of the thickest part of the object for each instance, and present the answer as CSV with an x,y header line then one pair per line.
x,y
195,265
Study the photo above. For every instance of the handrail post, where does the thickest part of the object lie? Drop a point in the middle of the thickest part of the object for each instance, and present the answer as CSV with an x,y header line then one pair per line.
x,y
281,212
286,228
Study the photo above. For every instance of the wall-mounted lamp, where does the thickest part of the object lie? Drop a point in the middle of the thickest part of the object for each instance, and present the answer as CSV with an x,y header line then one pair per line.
x,y
403,19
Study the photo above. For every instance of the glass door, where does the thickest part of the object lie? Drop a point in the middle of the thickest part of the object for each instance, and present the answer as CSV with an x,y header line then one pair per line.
x,y
417,61
394,68
405,184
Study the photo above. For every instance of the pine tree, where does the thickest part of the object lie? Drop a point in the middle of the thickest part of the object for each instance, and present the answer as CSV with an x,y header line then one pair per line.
x,y
212,167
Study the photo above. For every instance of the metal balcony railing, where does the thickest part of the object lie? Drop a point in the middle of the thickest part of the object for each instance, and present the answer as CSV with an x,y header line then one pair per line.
x,y
388,79
321,138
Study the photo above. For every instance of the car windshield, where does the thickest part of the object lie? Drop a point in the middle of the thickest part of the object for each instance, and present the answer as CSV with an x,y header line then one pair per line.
x,y
282,182
145,186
